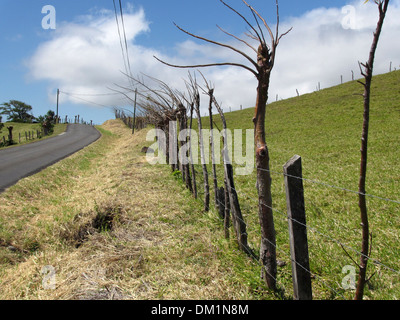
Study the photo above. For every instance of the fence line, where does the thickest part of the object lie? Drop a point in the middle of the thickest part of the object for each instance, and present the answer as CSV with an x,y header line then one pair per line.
x,y
305,269
313,229
331,186
281,250
324,235
246,248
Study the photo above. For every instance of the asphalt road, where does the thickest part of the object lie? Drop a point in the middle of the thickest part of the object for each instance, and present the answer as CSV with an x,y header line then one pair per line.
x,y
19,162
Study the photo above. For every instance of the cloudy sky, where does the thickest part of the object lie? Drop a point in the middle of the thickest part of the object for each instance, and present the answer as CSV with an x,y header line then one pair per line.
x,y
81,54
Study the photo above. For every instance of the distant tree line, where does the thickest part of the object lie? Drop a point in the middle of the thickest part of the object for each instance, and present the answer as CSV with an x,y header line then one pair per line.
x,y
18,111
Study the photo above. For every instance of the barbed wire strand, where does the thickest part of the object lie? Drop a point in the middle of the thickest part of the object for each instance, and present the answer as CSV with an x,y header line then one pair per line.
x,y
287,255
331,186
281,250
309,228
327,236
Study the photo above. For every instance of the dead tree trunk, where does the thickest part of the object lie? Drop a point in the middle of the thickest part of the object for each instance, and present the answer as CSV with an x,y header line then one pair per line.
x,y
194,188
265,212
367,73
185,165
180,128
202,155
237,218
166,130
238,222
214,170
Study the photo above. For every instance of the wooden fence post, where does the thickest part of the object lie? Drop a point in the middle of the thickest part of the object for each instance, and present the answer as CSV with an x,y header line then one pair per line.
x,y
237,219
297,229
10,134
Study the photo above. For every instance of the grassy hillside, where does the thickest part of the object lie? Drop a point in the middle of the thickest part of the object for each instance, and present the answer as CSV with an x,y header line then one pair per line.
x,y
115,227
112,226
19,130
324,128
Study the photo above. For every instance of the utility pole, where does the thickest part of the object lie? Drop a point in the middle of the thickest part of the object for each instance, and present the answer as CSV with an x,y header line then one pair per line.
x,y
58,95
134,114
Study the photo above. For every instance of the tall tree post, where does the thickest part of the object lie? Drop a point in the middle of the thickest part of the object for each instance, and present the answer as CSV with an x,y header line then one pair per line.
x,y
214,170
191,152
231,201
367,74
202,154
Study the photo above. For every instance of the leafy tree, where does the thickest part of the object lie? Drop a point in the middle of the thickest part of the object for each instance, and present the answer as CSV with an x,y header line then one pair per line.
x,y
47,121
51,115
17,111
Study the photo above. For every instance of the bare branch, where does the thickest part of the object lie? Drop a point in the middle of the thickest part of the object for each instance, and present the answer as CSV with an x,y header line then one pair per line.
x,y
237,38
361,70
251,36
344,249
219,44
265,24
362,83
209,65
208,85
158,100
245,20
259,28
123,93
284,34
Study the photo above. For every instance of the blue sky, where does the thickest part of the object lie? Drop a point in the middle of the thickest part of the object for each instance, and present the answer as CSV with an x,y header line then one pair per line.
x,y
83,57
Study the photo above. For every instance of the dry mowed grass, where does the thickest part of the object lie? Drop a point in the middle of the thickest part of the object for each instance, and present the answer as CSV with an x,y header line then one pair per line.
x,y
108,225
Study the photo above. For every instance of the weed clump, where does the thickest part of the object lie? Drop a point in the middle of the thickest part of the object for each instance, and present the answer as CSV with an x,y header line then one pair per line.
x,y
101,219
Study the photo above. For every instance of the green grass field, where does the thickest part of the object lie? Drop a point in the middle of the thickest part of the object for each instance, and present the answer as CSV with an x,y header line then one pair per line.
x,y
158,245
19,130
163,246
324,128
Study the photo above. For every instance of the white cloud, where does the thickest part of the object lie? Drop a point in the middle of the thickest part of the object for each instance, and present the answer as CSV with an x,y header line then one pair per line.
x,y
85,56
319,49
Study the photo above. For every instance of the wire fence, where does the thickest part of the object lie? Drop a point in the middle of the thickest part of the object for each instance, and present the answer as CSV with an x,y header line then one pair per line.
x,y
331,280
333,219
